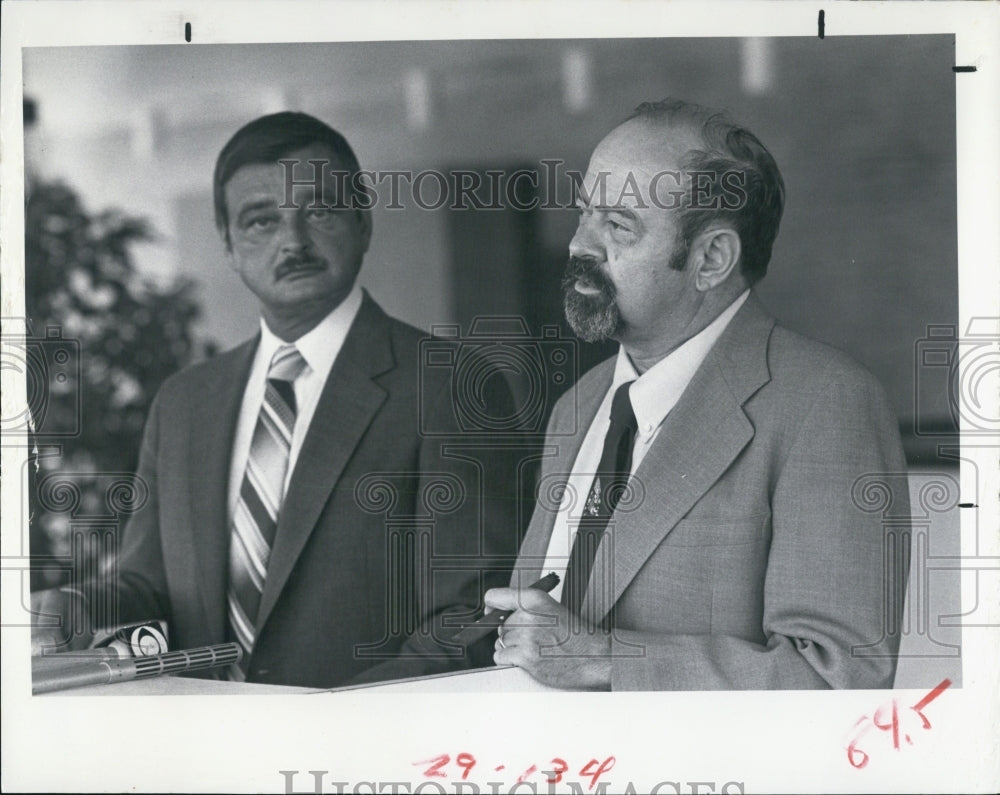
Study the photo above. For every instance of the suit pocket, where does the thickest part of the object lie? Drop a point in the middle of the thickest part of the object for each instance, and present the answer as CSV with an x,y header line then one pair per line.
x,y
724,531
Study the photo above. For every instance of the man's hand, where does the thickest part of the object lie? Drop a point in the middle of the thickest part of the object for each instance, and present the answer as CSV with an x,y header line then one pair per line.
x,y
545,640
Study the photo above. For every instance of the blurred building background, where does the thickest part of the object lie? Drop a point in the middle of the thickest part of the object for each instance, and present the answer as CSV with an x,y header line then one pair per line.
x,y
863,129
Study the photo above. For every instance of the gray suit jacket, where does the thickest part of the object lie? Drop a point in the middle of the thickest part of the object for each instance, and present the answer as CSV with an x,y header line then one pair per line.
x,y
743,561
392,526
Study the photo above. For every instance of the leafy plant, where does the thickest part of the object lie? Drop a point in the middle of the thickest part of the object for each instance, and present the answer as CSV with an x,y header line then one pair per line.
x,y
133,331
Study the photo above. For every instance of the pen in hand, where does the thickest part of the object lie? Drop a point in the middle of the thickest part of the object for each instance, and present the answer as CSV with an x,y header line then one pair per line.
x,y
486,624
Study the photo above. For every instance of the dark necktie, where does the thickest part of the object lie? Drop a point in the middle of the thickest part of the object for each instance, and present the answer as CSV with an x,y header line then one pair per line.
x,y
255,519
609,483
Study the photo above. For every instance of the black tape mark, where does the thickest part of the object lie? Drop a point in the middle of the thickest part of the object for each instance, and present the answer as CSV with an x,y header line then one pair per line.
x,y
957,69
822,23
967,505
187,31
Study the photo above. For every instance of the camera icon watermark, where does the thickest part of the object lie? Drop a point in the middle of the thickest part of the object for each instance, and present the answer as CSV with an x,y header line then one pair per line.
x,y
50,366
536,369
963,369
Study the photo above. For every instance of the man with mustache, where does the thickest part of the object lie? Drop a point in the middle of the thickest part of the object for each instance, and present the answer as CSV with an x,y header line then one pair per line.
x,y
702,514
296,504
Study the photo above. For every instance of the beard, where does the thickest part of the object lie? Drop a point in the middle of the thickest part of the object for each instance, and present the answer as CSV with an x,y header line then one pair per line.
x,y
593,317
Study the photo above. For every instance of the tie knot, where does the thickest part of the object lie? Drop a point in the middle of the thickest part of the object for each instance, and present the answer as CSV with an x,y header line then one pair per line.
x,y
287,364
622,415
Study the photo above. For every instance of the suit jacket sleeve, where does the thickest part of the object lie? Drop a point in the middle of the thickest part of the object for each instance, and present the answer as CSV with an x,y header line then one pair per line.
x,y
139,574
467,483
829,587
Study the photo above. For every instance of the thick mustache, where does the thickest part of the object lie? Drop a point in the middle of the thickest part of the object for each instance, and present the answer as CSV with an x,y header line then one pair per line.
x,y
587,269
295,263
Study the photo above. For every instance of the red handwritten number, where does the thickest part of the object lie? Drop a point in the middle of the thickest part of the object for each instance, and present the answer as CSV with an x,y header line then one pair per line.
x,y
595,771
526,773
937,691
559,767
892,725
855,755
434,771
859,758
466,761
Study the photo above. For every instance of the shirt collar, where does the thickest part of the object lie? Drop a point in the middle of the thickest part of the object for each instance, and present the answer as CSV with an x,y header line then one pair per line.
x,y
657,390
319,346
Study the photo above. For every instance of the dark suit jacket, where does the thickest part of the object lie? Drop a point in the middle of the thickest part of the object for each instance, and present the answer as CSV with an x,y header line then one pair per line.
x,y
748,558
385,527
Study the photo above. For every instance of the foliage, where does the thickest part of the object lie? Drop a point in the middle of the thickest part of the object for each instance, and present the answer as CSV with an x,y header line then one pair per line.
x,y
132,331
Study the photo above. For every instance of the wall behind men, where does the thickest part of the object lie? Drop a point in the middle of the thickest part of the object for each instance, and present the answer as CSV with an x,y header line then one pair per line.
x,y
863,129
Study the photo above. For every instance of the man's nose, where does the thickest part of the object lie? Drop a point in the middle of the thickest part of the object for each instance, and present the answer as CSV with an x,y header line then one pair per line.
x,y
294,231
585,242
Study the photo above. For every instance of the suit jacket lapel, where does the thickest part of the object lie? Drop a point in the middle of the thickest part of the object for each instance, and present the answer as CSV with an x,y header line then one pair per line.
x,y
212,429
564,445
700,438
347,405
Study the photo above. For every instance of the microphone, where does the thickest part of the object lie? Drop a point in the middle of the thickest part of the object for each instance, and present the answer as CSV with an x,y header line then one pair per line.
x,y
49,674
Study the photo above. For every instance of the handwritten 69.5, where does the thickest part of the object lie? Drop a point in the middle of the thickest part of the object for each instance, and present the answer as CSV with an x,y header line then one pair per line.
x,y
553,771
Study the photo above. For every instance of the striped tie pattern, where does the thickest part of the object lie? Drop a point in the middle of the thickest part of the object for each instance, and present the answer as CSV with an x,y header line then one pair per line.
x,y
255,519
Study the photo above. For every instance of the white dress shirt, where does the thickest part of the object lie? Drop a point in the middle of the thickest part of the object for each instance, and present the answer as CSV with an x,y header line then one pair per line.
x,y
319,348
653,395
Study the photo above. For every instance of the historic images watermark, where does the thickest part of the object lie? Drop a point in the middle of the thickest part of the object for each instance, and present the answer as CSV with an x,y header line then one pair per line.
x,y
554,783
551,186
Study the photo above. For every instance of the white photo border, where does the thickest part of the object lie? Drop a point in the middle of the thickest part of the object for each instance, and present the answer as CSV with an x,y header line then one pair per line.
x,y
765,741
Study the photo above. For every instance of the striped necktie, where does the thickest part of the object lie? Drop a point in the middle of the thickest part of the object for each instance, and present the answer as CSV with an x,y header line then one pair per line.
x,y
255,519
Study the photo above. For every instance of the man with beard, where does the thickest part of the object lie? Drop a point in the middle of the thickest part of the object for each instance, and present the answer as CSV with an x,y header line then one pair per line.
x,y
704,523
296,504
